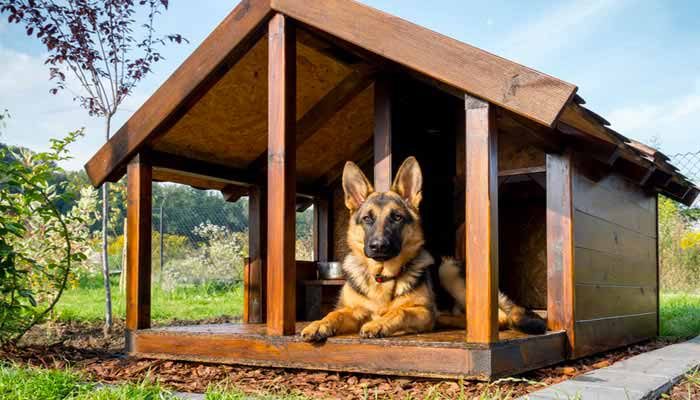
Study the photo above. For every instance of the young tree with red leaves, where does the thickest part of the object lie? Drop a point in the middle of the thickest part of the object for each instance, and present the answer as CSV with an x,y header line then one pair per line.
x,y
101,44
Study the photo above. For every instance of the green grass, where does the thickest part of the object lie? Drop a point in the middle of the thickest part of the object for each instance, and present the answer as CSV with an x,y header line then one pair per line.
x,y
680,314
32,383
21,383
85,303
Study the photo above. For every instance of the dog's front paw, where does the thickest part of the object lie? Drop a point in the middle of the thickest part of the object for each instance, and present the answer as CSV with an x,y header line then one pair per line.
x,y
317,331
374,329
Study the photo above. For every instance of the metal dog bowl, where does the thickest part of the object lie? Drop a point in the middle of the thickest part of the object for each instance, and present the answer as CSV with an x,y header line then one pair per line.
x,y
330,270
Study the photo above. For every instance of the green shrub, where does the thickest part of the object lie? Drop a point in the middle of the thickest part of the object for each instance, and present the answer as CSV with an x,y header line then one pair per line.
x,y
679,248
39,244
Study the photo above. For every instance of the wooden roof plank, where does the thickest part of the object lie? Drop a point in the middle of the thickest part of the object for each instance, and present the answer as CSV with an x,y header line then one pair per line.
x,y
522,90
219,51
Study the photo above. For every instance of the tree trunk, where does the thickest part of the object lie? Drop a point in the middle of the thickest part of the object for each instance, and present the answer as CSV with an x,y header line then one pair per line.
x,y
105,256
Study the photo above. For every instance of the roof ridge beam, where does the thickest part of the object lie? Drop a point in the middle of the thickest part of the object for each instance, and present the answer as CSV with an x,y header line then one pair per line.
x,y
524,91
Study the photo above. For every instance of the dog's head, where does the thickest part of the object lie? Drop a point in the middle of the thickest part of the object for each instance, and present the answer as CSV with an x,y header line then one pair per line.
x,y
384,225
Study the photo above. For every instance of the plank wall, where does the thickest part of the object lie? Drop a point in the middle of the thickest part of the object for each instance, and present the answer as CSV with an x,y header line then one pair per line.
x,y
615,258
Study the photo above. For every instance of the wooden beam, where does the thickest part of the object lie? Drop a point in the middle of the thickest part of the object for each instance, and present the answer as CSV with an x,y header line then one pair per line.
x,y
222,49
138,262
281,280
481,221
323,244
187,167
314,119
363,155
575,116
232,193
560,245
521,128
254,304
523,171
522,90
382,134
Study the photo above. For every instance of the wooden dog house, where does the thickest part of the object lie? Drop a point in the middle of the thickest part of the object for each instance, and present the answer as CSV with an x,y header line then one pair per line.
x,y
283,92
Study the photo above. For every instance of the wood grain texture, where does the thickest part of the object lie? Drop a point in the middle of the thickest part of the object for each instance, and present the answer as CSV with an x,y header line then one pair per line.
x,y
221,49
382,134
560,246
606,301
328,106
502,82
616,263
522,272
254,304
187,168
481,221
138,263
281,181
595,336
442,354
323,223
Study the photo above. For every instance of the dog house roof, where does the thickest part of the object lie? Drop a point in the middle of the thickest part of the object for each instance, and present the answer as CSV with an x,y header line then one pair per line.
x,y
212,111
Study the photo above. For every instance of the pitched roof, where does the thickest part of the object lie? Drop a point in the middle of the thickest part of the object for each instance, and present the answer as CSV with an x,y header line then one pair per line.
x,y
462,68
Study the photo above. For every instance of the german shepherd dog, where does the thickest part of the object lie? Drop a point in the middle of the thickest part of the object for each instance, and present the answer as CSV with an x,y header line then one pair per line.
x,y
388,289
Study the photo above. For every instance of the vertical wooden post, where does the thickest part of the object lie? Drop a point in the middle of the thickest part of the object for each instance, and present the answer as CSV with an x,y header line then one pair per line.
x,y
322,228
382,134
560,245
254,274
281,188
138,215
481,221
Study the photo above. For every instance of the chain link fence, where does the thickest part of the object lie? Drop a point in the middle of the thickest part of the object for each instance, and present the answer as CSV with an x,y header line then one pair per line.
x,y
689,165
200,239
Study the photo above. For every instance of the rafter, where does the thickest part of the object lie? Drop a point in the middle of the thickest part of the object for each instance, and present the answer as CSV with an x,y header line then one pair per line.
x,y
357,81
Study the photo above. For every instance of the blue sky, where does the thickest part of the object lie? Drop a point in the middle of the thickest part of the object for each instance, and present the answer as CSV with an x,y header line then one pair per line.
x,y
635,62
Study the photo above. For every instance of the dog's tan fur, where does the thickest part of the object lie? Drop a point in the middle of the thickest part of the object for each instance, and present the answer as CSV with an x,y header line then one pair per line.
x,y
404,304
510,315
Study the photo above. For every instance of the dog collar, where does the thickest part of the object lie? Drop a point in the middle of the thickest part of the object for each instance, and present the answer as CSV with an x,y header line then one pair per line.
x,y
379,278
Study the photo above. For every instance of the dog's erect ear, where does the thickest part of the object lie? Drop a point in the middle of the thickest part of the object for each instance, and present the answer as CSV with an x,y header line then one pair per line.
x,y
355,185
409,182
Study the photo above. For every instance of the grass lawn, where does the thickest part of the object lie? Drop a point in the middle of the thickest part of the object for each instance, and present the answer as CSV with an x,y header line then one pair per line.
x,y
23,383
20,383
29,384
680,314
85,303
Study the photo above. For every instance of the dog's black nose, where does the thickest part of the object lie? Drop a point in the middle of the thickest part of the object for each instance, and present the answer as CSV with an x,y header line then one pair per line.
x,y
380,246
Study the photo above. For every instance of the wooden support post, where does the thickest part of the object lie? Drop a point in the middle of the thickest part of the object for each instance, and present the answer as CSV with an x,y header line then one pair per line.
x,y
281,188
323,247
560,245
481,218
138,214
382,134
254,274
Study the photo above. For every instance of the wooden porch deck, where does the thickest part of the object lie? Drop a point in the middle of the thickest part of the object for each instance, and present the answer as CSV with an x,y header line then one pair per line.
x,y
439,354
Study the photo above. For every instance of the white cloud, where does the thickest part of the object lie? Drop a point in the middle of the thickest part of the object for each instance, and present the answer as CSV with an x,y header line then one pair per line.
x,y
673,121
565,24
36,115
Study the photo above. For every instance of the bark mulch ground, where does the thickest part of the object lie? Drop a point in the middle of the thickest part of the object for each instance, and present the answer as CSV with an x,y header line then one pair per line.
x,y
82,346
686,389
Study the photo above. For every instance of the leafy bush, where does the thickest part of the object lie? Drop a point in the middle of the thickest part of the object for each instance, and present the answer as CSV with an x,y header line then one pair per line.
x,y
38,244
218,258
679,248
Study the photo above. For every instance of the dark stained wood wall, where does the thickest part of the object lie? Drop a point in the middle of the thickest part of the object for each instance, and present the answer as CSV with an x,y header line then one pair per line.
x,y
616,285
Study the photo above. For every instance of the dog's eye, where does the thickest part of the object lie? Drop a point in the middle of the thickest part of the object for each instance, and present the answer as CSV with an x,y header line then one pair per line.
x,y
397,217
367,219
